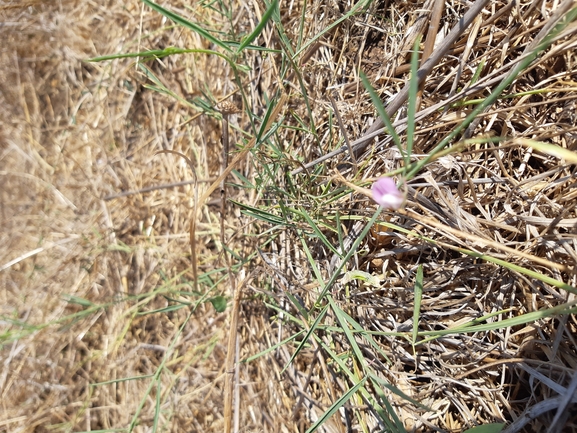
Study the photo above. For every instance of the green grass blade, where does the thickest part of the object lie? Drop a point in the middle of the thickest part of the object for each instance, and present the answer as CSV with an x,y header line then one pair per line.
x,y
108,430
160,88
319,234
288,317
269,110
418,297
341,318
274,347
570,16
520,269
412,102
157,407
550,149
306,337
163,310
260,214
382,382
156,378
397,425
336,406
359,329
385,417
302,25
564,309
350,253
487,428
300,308
339,230
185,23
155,54
470,327
478,72
312,261
488,258
71,299
235,45
356,8
383,114
122,379
259,28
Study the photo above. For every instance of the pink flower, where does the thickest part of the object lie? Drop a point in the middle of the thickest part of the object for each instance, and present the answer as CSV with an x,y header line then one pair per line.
x,y
386,194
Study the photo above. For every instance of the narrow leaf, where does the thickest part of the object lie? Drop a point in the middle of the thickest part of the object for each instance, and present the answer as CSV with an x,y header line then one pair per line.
x,y
487,428
259,28
219,303
185,23
306,338
273,347
412,107
417,307
383,113
340,314
319,233
336,406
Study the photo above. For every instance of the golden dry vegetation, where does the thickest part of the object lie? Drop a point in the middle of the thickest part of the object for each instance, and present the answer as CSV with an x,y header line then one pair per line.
x,y
104,323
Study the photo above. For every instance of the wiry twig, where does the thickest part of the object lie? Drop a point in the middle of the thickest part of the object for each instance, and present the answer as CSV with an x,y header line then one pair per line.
x,y
192,226
226,109
343,130
231,354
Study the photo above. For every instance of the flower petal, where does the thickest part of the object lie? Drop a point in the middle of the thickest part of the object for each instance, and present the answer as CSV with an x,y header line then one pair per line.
x,y
386,194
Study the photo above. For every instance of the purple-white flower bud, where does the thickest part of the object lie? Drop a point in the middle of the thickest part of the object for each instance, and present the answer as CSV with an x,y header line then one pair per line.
x,y
386,194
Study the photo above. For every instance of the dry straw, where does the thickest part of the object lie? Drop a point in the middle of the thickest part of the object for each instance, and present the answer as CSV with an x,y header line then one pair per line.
x,y
106,325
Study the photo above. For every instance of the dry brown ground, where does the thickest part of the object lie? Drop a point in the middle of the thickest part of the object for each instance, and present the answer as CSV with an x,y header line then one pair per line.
x,y
78,272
